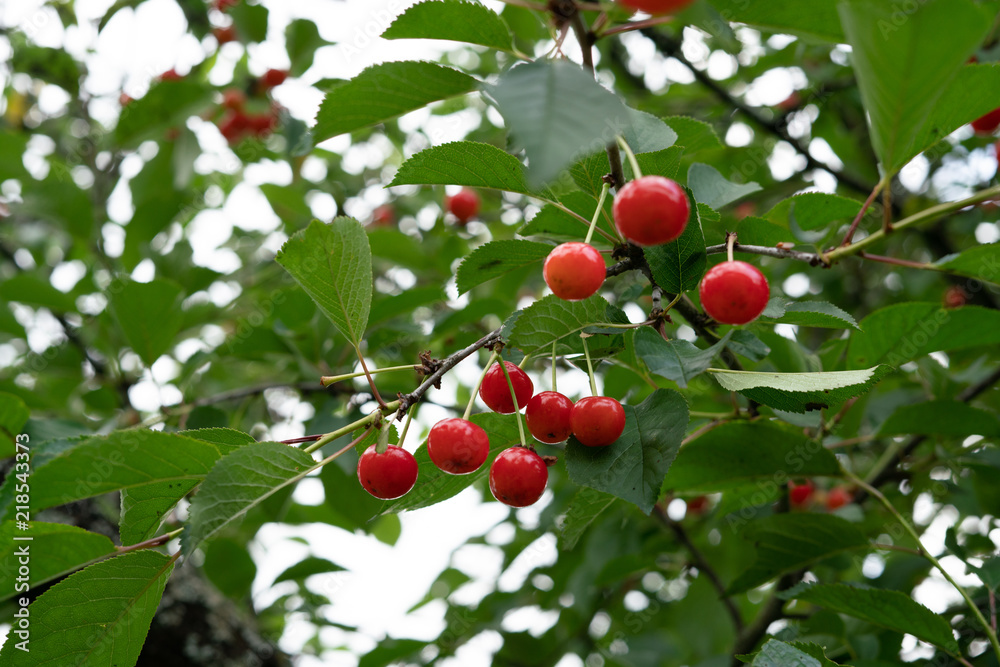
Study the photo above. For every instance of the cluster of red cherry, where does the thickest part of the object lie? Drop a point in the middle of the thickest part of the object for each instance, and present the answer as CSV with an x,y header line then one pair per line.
x,y
650,211
238,122
518,475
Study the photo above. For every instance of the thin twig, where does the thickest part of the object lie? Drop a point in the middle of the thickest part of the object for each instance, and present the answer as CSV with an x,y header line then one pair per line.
x,y
857,220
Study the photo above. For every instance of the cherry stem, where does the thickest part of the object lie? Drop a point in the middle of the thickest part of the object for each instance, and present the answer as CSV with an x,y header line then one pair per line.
x,y
475,392
333,435
597,213
635,25
674,302
590,366
730,242
524,361
327,380
554,366
517,408
368,376
406,424
636,171
157,541
898,262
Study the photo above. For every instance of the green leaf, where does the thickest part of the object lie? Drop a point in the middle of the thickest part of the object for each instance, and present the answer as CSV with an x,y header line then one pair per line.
x,y
540,103
433,485
454,20
496,258
710,187
941,417
30,290
813,210
60,200
553,221
647,133
752,230
587,504
788,542
149,315
465,163
679,265
901,79
800,392
385,91
239,482
52,65
738,452
906,331
61,549
302,39
13,416
692,134
250,21
333,264
973,93
143,508
677,360
989,573
98,616
229,567
633,466
306,568
816,20
888,609
119,460
807,314
589,172
167,104
779,654
981,262
745,344
552,320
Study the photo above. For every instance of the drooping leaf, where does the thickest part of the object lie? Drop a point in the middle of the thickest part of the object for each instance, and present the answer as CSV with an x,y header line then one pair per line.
x,y
13,415
587,504
888,609
229,567
899,77
801,392
167,104
540,102
149,314
250,21
906,331
465,163
981,262
632,467
941,417
333,264
813,210
973,93
61,548
455,20
302,39
385,91
738,452
647,133
788,542
679,265
239,482
816,21
306,568
692,134
807,314
710,187
677,360
119,460
98,616
496,258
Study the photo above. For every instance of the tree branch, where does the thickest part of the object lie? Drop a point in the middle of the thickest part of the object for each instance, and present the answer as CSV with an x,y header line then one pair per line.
x,y
812,258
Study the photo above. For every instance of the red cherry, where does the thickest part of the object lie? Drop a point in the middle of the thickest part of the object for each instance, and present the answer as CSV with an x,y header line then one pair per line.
x,y
790,102
273,77
233,126
171,75
464,205
124,99
954,297
458,446
262,124
518,477
697,506
547,416
799,494
837,497
384,216
597,421
987,124
657,6
223,5
496,394
734,292
388,475
651,210
574,271
225,35
234,98
996,150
